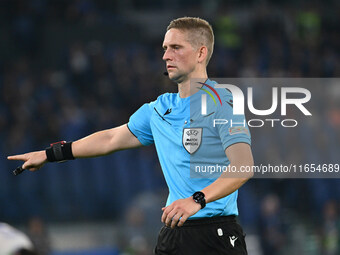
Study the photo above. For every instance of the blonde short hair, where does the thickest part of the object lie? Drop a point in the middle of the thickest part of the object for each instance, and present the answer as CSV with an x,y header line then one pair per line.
x,y
200,32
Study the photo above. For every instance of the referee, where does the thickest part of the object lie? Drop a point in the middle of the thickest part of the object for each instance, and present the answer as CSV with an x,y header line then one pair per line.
x,y
200,213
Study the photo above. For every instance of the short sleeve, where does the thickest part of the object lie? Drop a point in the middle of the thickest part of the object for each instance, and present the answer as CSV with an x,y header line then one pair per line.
x,y
139,124
231,128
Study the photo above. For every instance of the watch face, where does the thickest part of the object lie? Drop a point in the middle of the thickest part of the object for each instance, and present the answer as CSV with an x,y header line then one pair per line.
x,y
199,197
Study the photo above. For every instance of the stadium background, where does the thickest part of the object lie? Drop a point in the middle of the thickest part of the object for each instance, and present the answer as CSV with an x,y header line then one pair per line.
x,y
69,68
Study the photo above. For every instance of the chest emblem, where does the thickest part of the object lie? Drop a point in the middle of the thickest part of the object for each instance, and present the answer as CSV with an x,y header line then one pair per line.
x,y
191,139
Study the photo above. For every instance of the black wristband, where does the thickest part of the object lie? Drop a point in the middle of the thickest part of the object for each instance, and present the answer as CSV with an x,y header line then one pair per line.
x,y
199,198
59,151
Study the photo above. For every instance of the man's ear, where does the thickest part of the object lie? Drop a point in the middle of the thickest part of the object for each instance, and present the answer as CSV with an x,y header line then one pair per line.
x,y
202,54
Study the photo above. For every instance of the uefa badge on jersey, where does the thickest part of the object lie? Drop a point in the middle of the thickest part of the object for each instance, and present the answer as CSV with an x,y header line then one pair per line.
x,y
192,138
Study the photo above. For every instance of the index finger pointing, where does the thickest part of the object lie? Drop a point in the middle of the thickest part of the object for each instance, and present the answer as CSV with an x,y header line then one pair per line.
x,y
17,157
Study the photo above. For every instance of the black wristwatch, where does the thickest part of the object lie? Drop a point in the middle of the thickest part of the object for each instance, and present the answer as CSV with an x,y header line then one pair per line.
x,y
199,198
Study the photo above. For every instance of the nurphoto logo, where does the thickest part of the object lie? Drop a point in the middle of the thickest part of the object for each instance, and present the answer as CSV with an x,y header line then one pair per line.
x,y
238,105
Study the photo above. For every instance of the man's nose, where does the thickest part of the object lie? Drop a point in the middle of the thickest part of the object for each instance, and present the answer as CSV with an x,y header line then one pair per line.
x,y
166,55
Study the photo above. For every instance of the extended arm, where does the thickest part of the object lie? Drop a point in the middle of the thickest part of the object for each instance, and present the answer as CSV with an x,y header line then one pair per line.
x,y
97,144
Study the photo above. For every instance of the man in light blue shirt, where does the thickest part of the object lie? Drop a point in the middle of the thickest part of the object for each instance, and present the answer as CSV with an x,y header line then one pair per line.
x,y
154,124
199,215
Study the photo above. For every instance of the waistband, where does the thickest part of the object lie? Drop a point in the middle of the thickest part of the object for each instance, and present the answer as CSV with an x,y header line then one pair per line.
x,y
210,220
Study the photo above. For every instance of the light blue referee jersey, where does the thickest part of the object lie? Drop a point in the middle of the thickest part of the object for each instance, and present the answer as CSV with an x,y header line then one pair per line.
x,y
190,143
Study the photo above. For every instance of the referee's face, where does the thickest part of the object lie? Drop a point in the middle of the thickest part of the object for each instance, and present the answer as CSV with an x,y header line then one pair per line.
x,y
179,55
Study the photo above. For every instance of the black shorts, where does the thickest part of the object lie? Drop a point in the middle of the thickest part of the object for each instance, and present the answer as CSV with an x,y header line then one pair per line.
x,y
213,236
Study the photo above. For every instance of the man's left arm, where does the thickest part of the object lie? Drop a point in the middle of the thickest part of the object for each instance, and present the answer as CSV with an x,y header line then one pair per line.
x,y
239,155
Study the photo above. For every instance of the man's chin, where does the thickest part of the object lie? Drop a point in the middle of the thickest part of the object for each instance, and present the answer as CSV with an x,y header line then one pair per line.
x,y
175,77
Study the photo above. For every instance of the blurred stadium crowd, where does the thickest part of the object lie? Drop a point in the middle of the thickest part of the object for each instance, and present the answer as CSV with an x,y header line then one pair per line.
x,y
69,68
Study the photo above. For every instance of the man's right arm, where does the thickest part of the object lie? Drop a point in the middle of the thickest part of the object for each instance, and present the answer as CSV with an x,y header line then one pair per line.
x,y
97,144
105,142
